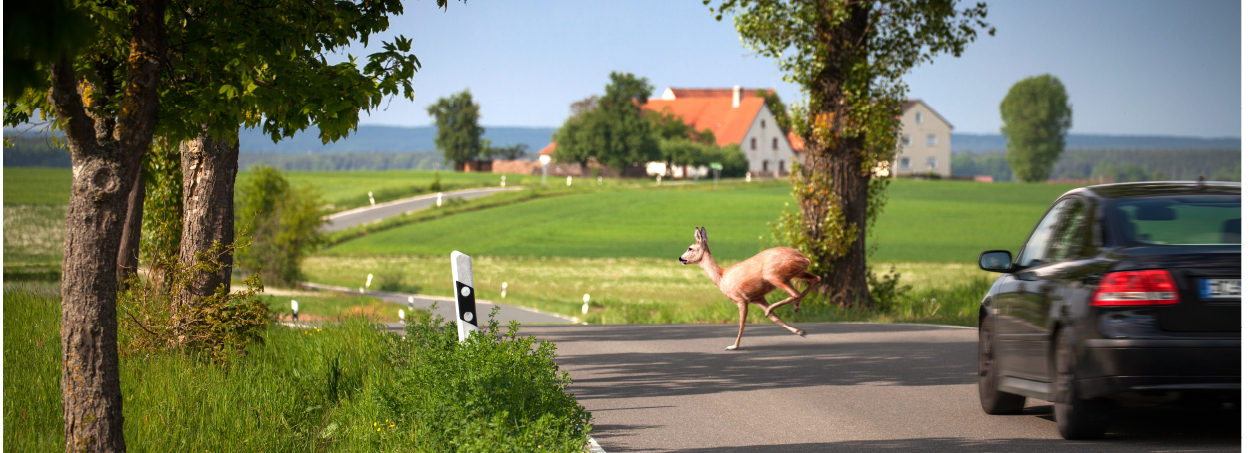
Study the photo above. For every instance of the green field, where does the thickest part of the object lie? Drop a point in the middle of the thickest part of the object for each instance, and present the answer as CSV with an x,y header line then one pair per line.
x,y
950,221
34,185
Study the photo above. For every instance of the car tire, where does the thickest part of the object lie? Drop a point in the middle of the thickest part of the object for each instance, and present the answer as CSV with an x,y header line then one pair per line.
x,y
992,400
1077,418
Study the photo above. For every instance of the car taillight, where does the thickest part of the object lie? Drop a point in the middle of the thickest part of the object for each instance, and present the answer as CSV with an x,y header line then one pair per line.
x,y
1152,287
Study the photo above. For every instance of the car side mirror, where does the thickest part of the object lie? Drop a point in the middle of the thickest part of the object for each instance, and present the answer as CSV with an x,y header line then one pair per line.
x,y
996,261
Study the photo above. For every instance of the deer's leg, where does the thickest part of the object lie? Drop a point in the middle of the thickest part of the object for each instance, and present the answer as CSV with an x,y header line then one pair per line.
x,y
741,325
794,295
764,305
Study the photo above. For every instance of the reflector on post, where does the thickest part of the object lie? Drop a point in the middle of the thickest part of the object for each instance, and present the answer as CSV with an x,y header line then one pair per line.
x,y
465,294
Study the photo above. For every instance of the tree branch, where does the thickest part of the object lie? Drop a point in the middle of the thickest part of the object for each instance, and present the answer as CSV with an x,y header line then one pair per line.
x,y
67,102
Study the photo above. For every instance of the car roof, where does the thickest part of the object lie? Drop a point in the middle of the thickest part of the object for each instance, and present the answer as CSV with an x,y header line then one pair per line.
x,y
1138,189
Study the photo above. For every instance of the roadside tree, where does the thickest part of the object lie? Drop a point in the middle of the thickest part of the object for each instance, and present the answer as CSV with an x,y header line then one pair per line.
x,y
459,135
849,59
1036,116
195,72
614,131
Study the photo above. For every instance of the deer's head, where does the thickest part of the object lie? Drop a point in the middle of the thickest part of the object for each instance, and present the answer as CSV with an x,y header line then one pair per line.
x,y
695,253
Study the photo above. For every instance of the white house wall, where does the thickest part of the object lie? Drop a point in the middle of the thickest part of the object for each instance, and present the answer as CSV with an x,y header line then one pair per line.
x,y
920,151
764,129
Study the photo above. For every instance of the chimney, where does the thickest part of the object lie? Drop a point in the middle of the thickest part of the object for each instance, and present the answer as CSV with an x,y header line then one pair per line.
x,y
737,96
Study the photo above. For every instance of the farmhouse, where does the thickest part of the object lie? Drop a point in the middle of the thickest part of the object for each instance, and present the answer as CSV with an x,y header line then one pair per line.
x,y
736,116
923,141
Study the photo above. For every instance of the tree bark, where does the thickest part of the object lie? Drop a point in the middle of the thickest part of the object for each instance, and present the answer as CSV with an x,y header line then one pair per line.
x,y
209,167
128,254
104,170
836,161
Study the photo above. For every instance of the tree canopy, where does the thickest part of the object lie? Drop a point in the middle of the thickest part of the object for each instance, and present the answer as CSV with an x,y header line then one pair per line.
x,y
614,131
459,135
849,59
1036,116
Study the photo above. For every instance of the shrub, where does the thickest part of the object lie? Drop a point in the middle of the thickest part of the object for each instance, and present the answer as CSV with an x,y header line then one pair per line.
x,y
493,392
220,326
887,288
436,185
286,226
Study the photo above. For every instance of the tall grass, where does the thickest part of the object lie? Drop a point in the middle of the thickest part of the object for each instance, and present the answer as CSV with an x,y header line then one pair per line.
x,y
301,390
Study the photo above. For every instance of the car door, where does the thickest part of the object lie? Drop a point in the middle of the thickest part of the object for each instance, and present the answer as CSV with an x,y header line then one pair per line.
x,y
1024,297
1050,283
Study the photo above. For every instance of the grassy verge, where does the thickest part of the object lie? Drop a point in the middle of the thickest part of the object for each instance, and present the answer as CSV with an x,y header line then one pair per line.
x,y
335,307
332,388
648,290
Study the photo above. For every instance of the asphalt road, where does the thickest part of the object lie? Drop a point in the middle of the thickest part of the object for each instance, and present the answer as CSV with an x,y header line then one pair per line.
x,y
845,387
374,213
446,306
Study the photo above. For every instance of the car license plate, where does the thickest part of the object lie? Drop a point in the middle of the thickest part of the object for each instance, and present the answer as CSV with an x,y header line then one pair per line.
x,y
1220,288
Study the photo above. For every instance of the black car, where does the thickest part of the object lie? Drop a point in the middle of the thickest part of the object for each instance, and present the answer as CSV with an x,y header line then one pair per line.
x,y
1123,294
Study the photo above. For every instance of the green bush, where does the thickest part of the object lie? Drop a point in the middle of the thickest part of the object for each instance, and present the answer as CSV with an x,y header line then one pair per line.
x,y
285,227
495,392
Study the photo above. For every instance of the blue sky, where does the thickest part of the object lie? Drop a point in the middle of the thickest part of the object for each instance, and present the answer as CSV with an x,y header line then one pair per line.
x,y
1130,67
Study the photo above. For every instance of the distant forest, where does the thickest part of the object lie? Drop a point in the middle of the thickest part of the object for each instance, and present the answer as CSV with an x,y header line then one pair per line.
x,y
1119,165
1219,161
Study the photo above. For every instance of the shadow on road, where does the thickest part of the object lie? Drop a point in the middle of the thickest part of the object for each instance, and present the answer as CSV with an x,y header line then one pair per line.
x,y
765,365
1140,429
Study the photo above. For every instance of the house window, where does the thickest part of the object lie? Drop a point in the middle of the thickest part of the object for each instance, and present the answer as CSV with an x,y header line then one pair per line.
x,y
765,165
763,124
780,166
932,139
919,117
775,144
752,144
906,139
932,163
904,163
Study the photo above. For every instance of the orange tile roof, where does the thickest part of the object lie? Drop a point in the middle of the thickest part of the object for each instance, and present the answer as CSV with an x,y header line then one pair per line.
x,y
548,150
796,143
715,113
685,93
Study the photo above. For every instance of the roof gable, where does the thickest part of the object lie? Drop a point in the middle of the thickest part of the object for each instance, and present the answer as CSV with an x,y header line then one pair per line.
x,y
912,103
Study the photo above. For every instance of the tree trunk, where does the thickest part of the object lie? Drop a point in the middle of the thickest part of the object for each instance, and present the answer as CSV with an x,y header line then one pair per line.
x,y
835,165
128,253
209,166
105,168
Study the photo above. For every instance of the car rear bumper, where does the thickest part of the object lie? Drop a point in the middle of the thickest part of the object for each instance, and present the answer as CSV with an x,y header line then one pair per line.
x,y
1160,365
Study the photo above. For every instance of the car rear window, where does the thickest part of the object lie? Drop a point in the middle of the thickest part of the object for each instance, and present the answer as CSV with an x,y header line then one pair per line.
x,y
1178,220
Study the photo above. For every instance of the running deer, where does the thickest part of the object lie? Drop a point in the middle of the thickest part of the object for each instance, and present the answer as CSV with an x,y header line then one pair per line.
x,y
749,281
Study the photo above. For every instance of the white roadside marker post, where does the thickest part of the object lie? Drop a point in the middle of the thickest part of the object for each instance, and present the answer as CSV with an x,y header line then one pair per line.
x,y
659,179
504,295
371,199
570,181
401,320
585,308
368,281
600,180
503,182
410,303
294,310
465,296
440,199
747,176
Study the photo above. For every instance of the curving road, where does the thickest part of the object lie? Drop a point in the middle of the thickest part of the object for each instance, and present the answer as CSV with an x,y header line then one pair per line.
x,y
375,213
845,387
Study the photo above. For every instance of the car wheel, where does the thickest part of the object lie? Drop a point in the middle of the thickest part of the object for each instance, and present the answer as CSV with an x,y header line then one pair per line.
x,y
992,400
1077,418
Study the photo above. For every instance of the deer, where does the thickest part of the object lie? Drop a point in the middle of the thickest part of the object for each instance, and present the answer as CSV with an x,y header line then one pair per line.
x,y
749,281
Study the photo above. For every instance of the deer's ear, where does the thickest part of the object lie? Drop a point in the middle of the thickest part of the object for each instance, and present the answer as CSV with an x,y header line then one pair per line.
x,y
703,233
698,235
